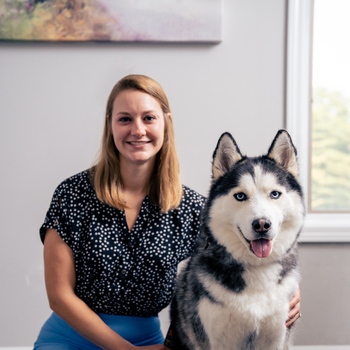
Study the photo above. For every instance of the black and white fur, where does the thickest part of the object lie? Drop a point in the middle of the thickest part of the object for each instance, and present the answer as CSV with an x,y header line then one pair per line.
x,y
234,292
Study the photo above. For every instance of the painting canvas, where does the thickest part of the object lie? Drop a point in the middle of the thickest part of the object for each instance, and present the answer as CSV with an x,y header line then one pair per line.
x,y
111,20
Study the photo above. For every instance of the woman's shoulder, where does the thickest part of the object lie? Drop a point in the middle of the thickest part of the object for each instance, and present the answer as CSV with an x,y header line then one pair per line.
x,y
76,183
192,197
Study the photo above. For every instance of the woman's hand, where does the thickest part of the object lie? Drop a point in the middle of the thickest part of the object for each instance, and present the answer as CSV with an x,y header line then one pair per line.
x,y
294,309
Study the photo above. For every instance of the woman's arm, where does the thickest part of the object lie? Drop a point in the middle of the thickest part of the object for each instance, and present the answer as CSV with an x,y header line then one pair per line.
x,y
60,284
294,309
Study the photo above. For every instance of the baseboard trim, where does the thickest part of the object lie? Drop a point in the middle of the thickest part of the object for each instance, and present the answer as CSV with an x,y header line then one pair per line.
x,y
300,347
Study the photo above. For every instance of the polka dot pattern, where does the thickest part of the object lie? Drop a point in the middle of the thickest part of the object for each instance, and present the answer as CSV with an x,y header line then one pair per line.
x,y
119,271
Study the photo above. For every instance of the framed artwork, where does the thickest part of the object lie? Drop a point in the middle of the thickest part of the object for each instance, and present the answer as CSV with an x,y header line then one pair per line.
x,y
111,20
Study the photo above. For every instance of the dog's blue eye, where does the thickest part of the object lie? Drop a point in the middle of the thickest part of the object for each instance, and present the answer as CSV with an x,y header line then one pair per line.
x,y
240,196
275,194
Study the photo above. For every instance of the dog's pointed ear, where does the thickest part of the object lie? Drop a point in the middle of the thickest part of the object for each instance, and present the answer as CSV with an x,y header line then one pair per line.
x,y
283,152
226,154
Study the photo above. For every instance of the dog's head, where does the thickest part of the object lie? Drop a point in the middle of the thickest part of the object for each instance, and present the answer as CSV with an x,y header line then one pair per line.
x,y
255,206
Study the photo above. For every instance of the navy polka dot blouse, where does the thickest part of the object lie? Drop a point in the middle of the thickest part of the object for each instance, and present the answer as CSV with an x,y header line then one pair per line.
x,y
118,271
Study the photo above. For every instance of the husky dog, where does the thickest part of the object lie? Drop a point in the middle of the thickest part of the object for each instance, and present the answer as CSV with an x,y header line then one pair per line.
x,y
234,292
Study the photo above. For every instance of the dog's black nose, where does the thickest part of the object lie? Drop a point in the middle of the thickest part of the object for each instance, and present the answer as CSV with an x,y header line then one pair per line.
x,y
261,225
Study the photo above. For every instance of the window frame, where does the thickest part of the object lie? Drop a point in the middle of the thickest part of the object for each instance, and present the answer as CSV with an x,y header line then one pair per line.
x,y
319,227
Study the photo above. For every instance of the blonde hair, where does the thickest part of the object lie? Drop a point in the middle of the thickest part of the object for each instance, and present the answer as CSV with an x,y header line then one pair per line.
x,y
165,188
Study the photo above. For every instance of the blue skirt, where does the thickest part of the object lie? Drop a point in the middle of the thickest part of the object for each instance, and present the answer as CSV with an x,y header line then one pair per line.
x,y
139,331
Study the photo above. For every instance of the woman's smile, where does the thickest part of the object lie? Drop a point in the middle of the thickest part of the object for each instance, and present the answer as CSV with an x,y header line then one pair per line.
x,y
138,143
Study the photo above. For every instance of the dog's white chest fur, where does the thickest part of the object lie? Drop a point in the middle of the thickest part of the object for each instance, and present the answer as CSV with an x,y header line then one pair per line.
x,y
257,314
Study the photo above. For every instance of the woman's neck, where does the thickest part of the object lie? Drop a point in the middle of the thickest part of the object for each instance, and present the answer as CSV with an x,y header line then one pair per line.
x,y
136,178
136,183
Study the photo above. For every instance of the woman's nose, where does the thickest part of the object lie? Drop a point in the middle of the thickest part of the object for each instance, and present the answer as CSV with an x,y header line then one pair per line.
x,y
138,128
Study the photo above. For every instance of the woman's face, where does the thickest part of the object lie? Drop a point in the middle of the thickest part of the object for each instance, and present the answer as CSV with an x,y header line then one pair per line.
x,y
137,127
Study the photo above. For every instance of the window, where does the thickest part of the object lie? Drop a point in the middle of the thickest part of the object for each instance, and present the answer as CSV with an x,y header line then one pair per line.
x,y
327,200
330,126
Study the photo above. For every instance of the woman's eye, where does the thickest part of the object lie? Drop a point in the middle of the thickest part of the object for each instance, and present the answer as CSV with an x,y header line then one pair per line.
x,y
275,194
124,119
149,118
240,196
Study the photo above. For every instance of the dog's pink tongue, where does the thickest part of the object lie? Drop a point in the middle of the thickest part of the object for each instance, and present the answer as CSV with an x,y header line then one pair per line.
x,y
261,247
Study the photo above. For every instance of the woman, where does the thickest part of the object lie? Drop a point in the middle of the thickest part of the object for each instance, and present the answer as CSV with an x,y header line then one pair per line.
x,y
114,235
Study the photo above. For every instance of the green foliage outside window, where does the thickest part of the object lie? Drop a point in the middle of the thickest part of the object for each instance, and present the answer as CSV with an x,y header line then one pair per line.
x,y
330,157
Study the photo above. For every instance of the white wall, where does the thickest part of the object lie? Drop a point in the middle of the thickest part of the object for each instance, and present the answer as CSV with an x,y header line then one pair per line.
x,y
52,100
